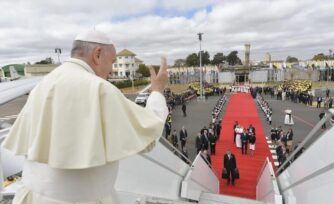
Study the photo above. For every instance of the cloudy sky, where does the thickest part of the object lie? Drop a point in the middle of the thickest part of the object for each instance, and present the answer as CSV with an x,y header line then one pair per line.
x,y
31,29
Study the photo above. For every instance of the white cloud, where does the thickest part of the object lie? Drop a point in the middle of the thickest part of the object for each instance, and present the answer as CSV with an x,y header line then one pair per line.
x,y
31,29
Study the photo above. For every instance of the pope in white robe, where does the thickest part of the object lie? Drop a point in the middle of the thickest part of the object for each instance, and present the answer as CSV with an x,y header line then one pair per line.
x,y
76,126
238,130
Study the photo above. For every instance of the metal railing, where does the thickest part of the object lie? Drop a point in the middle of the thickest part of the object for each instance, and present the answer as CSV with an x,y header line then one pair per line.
x,y
174,149
307,139
265,163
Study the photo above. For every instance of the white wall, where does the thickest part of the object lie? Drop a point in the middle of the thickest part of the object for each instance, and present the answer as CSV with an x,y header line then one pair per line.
x,y
226,77
259,76
123,60
310,179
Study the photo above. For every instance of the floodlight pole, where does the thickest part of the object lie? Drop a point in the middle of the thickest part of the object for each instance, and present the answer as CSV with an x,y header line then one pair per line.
x,y
58,52
200,66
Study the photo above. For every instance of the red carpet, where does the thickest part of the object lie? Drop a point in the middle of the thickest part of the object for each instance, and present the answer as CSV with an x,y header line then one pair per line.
x,y
241,108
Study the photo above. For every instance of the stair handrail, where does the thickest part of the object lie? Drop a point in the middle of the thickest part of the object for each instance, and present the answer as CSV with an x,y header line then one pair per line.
x,y
175,149
208,163
310,136
266,161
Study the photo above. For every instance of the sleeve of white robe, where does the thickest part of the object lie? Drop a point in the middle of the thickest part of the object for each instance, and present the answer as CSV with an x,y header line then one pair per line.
x,y
156,103
145,125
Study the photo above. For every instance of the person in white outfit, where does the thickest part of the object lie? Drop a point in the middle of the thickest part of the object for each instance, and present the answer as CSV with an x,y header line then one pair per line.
x,y
76,126
238,131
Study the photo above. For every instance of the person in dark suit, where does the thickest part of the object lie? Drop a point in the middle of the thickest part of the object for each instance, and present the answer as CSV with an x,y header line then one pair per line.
x,y
251,129
183,136
168,129
319,100
212,140
206,156
205,140
244,141
230,164
185,155
321,115
218,128
184,109
198,142
174,139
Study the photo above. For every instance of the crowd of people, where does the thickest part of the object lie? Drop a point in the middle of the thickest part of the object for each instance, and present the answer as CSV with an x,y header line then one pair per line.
x,y
173,99
266,109
207,137
209,89
298,91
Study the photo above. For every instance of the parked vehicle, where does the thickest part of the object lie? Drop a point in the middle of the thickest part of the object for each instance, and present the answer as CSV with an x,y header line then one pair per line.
x,y
142,98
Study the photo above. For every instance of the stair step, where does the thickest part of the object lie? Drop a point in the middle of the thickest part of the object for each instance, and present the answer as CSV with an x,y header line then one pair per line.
x,y
210,198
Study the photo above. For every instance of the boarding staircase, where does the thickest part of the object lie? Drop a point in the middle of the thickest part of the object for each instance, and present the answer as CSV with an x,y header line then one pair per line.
x,y
165,176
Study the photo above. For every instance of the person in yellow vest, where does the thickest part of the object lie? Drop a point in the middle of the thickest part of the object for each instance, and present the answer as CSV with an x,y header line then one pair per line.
x,y
9,180
76,126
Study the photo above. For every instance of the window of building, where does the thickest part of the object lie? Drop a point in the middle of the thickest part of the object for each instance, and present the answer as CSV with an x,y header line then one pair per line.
x,y
120,65
120,74
127,65
115,65
133,65
126,57
119,57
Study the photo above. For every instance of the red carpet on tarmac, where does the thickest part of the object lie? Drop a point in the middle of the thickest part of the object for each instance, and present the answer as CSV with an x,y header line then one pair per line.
x,y
241,108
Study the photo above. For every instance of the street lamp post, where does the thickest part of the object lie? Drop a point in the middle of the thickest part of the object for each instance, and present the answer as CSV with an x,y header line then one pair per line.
x,y
200,66
58,52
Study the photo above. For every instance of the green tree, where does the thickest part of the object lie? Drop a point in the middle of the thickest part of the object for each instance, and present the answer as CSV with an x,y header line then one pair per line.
x,y
205,58
179,62
290,59
320,57
192,60
233,59
143,70
47,60
219,58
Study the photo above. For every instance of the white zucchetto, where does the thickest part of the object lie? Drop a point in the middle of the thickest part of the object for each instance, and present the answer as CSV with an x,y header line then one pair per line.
x,y
94,36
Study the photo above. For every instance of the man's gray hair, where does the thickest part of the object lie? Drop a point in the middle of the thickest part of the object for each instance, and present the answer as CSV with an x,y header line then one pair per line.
x,y
82,48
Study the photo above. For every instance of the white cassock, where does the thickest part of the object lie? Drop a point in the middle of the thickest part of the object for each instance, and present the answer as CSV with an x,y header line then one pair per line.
x,y
283,95
73,130
238,137
288,120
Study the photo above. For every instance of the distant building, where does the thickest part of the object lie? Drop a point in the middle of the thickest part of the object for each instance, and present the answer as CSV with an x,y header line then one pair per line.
x,y
126,64
38,69
267,58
